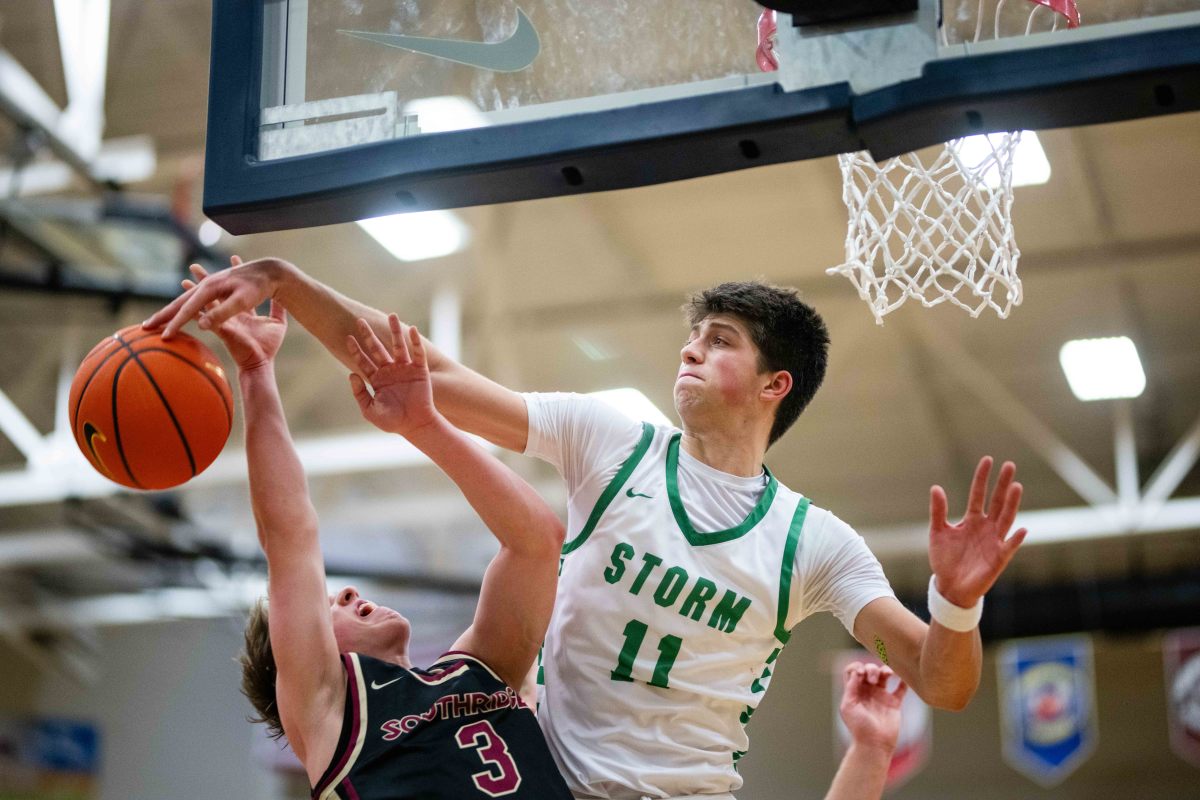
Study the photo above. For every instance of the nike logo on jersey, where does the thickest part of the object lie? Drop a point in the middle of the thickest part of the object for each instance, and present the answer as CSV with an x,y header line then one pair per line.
x,y
513,54
375,685
631,493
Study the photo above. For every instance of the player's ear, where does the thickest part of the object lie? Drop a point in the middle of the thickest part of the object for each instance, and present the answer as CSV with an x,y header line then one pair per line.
x,y
778,385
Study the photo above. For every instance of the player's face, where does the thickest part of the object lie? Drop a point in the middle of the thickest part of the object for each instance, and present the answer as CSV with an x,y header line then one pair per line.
x,y
718,370
360,626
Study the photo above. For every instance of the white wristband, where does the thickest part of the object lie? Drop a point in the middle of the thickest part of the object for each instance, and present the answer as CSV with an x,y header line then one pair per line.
x,y
948,615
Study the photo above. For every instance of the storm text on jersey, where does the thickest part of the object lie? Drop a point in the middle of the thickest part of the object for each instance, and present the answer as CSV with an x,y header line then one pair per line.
x,y
668,588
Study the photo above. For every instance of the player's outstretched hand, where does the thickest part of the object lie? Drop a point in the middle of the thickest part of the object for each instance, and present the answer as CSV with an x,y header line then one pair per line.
x,y
872,712
252,339
403,393
968,557
219,296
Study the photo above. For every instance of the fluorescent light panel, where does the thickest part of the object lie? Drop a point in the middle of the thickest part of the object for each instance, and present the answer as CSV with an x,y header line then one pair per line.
x,y
418,235
1030,165
633,404
1103,369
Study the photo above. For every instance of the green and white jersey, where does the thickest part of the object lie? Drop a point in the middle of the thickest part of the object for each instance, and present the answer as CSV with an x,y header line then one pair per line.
x,y
679,587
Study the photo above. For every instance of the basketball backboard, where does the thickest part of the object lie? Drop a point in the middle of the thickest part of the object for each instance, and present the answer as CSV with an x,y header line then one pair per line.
x,y
324,111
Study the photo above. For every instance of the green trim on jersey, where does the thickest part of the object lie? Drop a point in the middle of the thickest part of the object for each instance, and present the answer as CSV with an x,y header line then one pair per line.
x,y
786,569
613,487
695,537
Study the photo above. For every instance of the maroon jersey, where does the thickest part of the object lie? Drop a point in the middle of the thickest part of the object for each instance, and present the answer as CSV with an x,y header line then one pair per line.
x,y
454,731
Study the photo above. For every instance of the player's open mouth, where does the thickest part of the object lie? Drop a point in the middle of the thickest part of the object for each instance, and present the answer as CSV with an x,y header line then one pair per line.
x,y
364,608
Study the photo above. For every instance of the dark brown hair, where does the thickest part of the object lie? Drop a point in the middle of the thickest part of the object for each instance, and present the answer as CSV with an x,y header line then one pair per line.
x,y
258,670
789,334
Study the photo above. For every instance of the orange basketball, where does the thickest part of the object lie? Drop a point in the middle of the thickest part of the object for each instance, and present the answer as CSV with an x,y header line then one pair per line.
x,y
148,413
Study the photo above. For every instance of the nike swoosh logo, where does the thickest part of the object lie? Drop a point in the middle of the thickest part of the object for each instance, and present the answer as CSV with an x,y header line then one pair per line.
x,y
631,493
513,54
90,434
375,685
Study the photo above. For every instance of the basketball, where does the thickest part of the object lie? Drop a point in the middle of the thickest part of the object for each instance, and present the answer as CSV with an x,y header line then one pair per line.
x,y
148,413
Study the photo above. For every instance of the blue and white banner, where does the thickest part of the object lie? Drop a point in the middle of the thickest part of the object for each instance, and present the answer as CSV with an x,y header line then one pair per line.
x,y
1047,706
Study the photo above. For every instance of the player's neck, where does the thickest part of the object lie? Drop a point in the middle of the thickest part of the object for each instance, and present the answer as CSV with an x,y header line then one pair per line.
x,y
735,450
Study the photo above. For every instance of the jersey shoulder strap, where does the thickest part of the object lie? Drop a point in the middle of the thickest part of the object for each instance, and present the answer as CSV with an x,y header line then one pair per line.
x,y
614,486
787,568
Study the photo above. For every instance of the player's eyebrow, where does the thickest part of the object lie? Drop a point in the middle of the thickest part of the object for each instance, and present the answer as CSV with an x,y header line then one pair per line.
x,y
725,326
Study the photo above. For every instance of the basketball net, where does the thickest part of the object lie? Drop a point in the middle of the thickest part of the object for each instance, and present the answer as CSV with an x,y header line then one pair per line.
x,y
939,229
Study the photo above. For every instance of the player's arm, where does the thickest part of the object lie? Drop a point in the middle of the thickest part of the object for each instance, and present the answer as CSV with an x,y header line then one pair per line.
x,y
941,660
517,596
310,682
469,400
872,715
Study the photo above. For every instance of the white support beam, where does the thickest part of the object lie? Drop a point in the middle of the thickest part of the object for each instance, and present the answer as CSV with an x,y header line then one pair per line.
x,y
995,396
63,473
128,159
1175,467
1052,526
19,430
1125,456
23,100
83,43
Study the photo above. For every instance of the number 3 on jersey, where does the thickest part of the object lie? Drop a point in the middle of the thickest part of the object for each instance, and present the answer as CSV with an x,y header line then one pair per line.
x,y
493,751
668,649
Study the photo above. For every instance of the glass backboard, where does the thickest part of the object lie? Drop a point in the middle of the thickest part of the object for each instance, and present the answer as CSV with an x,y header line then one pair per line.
x,y
324,111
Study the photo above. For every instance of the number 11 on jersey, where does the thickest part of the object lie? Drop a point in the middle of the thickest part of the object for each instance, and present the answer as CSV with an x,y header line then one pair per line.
x,y
668,649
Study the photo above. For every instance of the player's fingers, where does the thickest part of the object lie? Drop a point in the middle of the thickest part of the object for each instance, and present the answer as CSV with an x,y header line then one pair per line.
x,y
192,304
215,317
235,261
186,284
278,312
361,395
900,690
198,272
397,329
1013,542
851,672
371,343
873,674
361,360
403,354
1012,504
979,486
1007,472
938,506
416,346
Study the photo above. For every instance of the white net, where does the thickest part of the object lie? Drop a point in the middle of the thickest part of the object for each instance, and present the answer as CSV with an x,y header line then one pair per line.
x,y
940,229
936,231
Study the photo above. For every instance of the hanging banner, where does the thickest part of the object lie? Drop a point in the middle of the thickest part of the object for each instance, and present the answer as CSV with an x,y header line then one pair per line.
x,y
1047,706
48,759
916,732
1181,663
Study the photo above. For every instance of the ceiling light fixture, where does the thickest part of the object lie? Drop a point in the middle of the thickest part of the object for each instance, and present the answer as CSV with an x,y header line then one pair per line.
x,y
1030,165
1103,369
418,235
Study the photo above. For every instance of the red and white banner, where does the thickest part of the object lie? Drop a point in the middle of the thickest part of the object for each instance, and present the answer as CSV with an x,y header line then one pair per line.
x,y
1181,664
916,730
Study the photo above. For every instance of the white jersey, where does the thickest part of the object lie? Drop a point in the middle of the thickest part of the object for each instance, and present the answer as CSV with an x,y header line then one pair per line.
x,y
669,617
